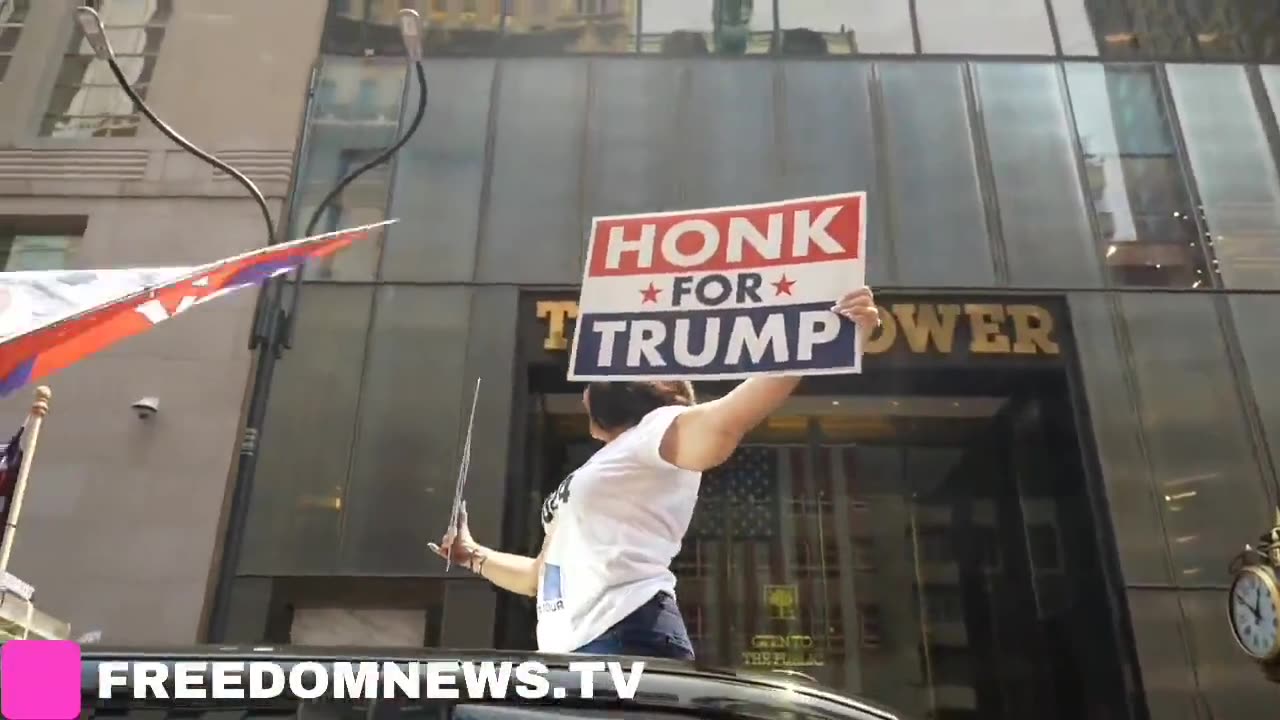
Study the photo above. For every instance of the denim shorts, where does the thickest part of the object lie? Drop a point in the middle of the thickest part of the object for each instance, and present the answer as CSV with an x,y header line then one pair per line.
x,y
656,629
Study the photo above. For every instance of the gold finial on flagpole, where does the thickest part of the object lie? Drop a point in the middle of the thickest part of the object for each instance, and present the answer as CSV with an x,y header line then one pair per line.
x,y
39,409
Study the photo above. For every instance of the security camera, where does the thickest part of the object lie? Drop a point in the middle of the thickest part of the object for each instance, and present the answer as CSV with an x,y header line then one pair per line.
x,y
146,407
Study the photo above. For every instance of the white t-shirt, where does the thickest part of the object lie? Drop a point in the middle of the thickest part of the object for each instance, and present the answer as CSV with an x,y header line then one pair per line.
x,y
615,524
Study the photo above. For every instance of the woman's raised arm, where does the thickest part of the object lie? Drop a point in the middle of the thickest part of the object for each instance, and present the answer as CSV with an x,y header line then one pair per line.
x,y
705,435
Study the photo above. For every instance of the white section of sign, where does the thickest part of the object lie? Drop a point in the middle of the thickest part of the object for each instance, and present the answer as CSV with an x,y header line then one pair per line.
x,y
806,283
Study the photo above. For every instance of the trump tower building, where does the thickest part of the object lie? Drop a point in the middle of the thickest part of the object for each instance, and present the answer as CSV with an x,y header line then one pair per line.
x,y
1026,503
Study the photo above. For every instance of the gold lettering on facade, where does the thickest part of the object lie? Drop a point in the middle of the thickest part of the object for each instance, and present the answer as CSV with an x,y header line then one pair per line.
x,y
556,312
883,337
782,601
782,651
926,327
1032,326
923,325
984,321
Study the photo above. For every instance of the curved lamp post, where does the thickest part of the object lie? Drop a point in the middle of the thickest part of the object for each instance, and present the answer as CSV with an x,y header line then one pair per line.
x,y
272,323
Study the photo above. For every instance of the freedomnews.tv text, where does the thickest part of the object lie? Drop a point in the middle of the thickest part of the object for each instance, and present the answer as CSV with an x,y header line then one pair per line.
x,y
432,680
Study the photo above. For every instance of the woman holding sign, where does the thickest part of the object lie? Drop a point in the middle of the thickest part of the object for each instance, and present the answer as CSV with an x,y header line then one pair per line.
x,y
603,580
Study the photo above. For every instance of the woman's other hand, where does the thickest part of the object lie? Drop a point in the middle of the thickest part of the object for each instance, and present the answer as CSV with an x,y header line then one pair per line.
x,y
860,307
457,545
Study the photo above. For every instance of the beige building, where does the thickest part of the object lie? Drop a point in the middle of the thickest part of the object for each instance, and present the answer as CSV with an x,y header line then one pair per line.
x,y
122,516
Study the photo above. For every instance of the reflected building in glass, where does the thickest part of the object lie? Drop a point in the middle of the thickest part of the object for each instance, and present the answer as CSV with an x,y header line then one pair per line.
x,y
1067,426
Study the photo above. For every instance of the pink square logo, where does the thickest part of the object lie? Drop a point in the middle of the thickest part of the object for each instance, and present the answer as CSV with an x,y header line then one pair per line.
x,y
40,680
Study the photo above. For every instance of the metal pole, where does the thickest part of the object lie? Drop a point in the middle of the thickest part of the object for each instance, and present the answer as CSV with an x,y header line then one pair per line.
x,y
35,419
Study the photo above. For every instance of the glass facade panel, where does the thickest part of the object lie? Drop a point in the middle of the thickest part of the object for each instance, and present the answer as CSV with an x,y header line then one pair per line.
x,y
827,142
354,115
1117,435
634,114
843,28
440,176
1043,222
535,192
403,468
984,27
727,158
1255,320
296,509
689,28
1202,454
1160,633
1234,169
928,146
1139,190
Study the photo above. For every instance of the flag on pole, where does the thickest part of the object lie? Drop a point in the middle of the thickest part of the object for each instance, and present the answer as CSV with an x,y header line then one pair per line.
x,y
10,466
51,320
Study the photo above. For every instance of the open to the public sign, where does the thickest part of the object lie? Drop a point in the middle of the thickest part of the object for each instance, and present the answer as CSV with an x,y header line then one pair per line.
x,y
722,293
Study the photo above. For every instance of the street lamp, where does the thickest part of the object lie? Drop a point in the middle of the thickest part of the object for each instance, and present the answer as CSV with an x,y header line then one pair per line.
x,y
411,32
272,324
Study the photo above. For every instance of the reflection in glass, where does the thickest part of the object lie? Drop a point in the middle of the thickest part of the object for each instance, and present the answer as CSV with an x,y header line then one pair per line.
x,y
86,101
34,252
984,27
819,27
931,553
1186,29
693,27
354,115
12,16
556,27
1234,169
1139,191
1043,220
1194,425
939,219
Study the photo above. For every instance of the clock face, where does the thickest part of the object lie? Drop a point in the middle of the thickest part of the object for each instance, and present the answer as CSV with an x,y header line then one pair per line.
x,y
1253,615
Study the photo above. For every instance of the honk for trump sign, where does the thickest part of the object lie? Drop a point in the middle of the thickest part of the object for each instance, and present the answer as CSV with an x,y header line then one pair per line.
x,y
721,293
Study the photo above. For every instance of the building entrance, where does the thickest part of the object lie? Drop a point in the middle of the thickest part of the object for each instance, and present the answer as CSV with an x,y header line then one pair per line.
x,y
925,535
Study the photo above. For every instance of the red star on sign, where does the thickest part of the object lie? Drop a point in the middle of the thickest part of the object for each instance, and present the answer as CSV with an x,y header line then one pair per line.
x,y
783,286
650,294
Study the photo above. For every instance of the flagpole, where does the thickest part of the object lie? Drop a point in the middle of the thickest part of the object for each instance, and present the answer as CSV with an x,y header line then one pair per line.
x,y
35,419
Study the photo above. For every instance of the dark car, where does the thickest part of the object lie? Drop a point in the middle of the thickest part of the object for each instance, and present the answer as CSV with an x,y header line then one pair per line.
x,y
665,691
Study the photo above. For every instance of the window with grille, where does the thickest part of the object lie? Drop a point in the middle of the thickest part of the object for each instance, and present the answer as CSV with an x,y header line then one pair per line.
x,y
86,100
13,15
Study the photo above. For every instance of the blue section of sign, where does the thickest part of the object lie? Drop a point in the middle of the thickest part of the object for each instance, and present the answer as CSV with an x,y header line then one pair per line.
x,y
551,582
709,343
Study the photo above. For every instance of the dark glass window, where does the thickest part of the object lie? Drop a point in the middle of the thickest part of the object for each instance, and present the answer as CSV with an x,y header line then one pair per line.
x,y
12,17
984,27
86,101
818,27
693,27
1144,214
1186,29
